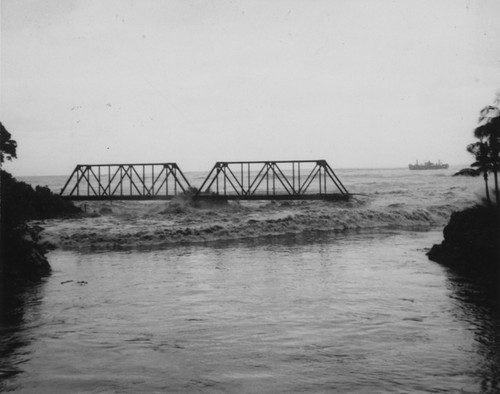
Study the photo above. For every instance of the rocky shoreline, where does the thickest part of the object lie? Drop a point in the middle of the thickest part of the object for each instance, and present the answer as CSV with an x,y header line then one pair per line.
x,y
26,253
22,250
471,245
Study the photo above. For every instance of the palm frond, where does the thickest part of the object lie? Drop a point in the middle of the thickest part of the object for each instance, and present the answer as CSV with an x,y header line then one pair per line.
x,y
486,113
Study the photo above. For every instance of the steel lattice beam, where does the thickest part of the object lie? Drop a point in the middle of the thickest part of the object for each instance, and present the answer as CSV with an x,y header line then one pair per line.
x,y
273,180
142,181
241,180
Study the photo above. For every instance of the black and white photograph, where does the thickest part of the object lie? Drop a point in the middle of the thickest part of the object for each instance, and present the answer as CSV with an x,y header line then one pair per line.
x,y
250,196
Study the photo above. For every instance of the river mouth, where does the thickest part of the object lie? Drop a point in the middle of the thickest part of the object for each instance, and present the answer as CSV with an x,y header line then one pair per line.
x,y
355,311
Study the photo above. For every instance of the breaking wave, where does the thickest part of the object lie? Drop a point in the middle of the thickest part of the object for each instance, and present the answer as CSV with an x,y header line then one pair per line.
x,y
139,224
390,198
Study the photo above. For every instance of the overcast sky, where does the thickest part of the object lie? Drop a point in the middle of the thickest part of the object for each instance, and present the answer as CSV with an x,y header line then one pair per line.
x,y
359,83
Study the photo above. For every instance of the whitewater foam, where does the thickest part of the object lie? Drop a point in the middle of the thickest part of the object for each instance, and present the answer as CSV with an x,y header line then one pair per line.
x,y
389,198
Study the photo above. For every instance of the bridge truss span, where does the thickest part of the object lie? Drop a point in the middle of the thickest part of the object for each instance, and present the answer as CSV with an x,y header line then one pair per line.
x,y
273,180
143,181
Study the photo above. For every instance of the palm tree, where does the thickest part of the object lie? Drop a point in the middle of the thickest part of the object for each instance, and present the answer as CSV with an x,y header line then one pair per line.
x,y
480,151
488,132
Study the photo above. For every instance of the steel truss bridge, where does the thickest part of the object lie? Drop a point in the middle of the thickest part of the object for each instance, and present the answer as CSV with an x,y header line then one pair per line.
x,y
273,180
144,181
237,180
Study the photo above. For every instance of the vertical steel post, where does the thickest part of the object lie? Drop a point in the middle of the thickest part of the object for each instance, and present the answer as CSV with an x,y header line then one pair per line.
x,y
143,181
78,184
267,178
166,180
225,176
274,180
319,176
298,191
175,183
241,176
217,179
130,178
324,176
152,180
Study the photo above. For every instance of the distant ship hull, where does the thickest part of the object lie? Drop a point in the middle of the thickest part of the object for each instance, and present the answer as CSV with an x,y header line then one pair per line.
x,y
428,166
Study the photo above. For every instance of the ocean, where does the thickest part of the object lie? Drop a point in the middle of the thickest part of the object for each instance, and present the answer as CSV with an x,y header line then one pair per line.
x,y
258,297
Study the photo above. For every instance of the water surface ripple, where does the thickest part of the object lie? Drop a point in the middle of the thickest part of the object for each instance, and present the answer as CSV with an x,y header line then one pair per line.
x,y
304,313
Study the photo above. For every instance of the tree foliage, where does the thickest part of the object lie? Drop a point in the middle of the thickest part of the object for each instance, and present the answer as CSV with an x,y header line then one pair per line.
x,y
486,151
22,254
8,147
480,151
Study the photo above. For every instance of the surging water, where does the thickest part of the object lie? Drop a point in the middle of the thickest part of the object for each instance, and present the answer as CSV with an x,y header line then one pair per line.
x,y
353,312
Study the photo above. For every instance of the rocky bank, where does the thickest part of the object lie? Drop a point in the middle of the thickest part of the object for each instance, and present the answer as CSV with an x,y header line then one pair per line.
x,y
471,245
22,252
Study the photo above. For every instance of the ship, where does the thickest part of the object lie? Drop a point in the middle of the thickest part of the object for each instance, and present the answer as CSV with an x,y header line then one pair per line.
x,y
428,165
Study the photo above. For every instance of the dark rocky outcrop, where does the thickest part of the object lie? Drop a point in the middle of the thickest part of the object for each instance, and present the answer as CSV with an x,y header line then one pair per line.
x,y
468,172
471,245
22,255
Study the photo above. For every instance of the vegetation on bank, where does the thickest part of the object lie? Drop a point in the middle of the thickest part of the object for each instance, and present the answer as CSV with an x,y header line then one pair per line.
x,y
486,150
22,255
471,242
